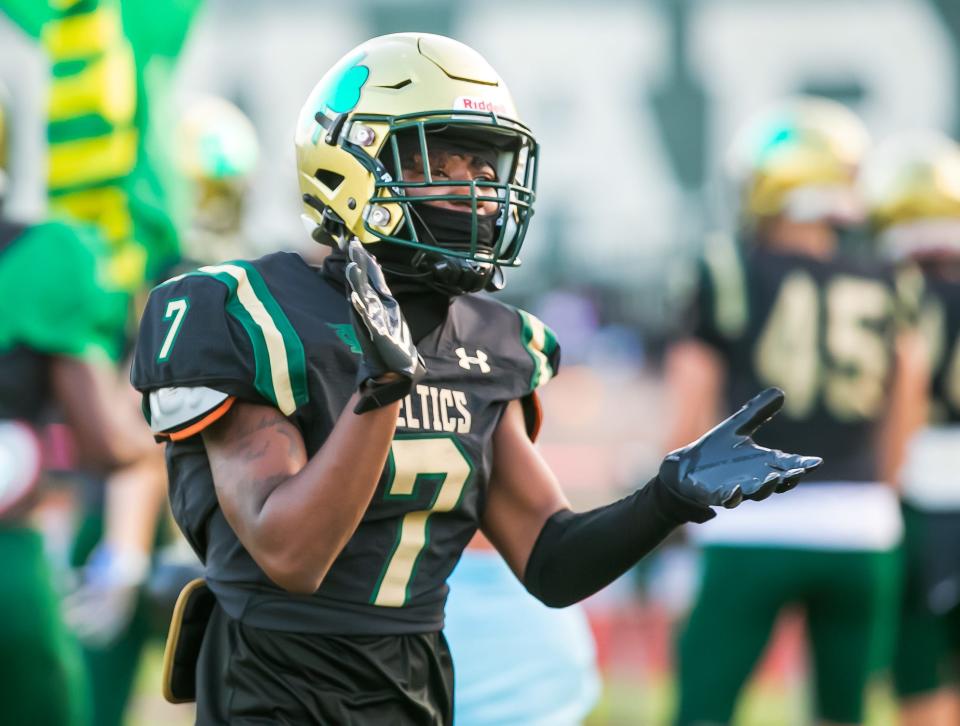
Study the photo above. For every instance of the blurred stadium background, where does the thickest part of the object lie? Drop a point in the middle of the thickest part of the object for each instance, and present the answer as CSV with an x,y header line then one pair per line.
x,y
633,103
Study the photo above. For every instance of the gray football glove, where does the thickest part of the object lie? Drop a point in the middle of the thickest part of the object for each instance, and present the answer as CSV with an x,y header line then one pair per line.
x,y
724,466
382,332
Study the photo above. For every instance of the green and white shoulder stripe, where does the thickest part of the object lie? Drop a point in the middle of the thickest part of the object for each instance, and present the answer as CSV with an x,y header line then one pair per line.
x,y
540,343
280,361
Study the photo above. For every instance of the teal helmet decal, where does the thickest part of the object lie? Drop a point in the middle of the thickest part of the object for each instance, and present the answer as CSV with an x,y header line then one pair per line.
x,y
341,92
225,158
778,139
346,82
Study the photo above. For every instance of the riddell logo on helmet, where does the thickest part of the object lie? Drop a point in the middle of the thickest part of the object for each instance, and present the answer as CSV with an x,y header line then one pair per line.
x,y
468,103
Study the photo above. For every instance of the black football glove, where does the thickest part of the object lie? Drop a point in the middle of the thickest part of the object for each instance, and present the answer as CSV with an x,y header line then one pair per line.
x,y
724,467
382,332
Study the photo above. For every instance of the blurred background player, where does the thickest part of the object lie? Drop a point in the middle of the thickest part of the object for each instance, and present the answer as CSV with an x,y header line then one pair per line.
x,y
785,305
109,166
515,660
61,335
127,595
216,154
912,188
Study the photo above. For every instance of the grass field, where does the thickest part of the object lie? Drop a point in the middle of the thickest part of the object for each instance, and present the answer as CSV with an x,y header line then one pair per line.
x,y
625,702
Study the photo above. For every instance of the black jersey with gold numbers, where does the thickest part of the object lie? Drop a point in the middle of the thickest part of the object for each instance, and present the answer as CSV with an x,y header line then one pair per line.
x,y
277,331
823,331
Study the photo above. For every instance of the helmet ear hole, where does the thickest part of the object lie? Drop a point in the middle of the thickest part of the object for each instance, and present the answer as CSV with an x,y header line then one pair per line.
x,y
330,179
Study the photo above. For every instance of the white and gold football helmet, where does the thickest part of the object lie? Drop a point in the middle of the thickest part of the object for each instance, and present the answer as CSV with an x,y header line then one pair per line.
x,y
911,183
799,158
217,153
393,99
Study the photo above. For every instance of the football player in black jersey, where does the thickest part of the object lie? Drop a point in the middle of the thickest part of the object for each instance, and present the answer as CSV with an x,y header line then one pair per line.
x,y
784,306
912,186
336,435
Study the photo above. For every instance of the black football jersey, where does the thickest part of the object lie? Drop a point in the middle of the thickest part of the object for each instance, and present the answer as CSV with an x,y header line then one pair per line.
x,y
277,331
823,331
940,324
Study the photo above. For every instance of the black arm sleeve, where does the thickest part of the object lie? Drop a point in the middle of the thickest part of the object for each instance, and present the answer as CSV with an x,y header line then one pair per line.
x,y
577,554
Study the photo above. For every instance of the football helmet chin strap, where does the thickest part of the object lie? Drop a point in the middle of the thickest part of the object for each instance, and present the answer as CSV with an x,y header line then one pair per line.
x,y
409,269
447,275
465,275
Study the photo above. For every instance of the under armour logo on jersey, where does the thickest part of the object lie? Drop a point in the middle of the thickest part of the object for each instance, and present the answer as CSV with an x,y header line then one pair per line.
x,y
479,360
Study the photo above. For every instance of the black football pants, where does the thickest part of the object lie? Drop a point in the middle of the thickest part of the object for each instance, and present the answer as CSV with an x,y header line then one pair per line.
x,y
249,676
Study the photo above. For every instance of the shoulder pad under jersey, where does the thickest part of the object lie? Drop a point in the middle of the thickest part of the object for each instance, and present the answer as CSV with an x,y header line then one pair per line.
x,y
177,413
515,346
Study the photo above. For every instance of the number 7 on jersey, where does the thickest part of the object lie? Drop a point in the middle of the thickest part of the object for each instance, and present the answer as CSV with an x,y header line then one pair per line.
x,y
176,310
415,459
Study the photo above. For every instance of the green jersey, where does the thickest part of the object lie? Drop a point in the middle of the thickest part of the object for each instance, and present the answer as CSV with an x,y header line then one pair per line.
x,y
57,300
112,62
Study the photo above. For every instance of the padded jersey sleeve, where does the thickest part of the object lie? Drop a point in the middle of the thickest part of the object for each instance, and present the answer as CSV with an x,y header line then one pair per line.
x,y
540,347
209,338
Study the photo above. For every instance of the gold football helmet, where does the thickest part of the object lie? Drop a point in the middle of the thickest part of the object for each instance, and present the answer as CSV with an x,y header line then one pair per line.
x,y
911,183
216,152
385,105
799,158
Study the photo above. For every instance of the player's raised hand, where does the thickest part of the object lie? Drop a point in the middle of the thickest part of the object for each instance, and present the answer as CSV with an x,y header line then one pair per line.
x,y
382,332
724,466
